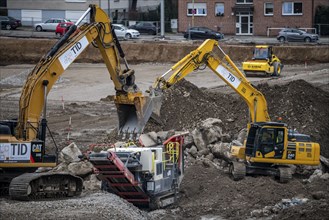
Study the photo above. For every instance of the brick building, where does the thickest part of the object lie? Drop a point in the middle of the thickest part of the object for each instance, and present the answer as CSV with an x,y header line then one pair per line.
x,y
247,17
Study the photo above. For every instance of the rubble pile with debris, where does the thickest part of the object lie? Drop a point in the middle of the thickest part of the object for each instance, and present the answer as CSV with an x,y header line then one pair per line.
x,y
214,121
301,105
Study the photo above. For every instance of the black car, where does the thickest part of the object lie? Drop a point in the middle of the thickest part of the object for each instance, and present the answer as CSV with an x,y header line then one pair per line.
x,y
202,33
8,22
145,27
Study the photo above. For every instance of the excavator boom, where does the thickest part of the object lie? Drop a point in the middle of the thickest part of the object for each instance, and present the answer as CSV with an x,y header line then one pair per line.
x,y
223,68
129,100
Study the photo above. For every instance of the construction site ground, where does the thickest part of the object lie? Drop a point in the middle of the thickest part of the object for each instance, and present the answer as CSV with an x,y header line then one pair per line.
x,y
80,110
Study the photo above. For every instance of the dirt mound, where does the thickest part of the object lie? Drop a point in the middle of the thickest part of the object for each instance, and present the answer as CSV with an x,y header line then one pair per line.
x,y
301,105
209,191
29,50
185,105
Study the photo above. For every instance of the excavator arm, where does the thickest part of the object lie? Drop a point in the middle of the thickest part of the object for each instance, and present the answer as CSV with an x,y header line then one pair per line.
x,y
224,68
129,99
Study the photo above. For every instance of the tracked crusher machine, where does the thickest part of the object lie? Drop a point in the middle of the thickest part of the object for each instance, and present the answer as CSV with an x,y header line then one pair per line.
x,y
145,176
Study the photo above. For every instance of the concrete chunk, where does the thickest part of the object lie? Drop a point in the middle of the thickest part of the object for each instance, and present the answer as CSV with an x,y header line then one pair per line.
x,y
149,139
81,168
70,153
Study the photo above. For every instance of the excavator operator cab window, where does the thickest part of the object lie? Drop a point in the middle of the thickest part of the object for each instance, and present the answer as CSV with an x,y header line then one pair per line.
x,y
271,140
267,140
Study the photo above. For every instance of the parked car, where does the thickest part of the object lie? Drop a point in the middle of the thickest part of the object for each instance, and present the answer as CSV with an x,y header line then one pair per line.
x,y
146,27
202,33
292,34
8,22
50,24
62,28
123,32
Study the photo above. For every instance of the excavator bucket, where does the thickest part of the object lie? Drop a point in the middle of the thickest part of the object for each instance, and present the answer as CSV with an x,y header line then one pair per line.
x,y
133,118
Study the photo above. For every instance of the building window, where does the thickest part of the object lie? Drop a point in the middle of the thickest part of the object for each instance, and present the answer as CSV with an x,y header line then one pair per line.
x,y
292,8
219,9
244,1
198,9
268,8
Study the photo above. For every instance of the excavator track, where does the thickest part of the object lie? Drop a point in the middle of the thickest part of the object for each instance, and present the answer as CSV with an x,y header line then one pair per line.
x,y
238,170
40,186
284,174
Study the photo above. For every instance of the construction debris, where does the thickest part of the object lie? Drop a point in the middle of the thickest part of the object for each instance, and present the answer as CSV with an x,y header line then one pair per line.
x,y
70,153
207,189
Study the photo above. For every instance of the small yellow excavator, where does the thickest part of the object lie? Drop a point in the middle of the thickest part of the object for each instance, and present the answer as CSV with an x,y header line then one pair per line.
x,y
264,62
269,146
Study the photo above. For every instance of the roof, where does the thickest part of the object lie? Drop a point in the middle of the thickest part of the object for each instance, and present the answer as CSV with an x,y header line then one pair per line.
x,y
270,123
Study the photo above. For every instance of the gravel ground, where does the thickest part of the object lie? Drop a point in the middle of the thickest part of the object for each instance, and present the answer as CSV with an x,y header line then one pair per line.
x,y
96,205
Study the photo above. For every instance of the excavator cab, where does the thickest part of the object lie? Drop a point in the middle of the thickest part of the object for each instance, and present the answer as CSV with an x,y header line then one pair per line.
x,y
266,140
269,142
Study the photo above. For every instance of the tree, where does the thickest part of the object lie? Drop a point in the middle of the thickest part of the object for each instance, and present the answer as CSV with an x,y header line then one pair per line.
x,y
322,19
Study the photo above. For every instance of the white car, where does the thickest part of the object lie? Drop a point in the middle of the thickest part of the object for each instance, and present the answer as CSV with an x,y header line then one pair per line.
x,y
123,32
49,25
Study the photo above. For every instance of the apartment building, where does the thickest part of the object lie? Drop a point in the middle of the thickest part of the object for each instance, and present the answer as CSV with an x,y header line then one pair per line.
x,y
247,17
32,11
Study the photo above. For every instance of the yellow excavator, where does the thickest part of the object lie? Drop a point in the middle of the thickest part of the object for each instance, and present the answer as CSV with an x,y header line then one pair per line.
x,y
23,141
270,146
264,62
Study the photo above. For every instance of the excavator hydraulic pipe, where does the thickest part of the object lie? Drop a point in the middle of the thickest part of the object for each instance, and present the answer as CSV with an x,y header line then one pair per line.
x,y
44,119
61,42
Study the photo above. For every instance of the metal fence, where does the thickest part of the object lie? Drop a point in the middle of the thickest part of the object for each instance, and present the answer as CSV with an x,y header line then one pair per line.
x,y
322,29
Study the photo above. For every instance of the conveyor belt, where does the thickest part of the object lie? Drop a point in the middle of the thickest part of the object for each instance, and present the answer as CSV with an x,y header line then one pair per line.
x,y
120,181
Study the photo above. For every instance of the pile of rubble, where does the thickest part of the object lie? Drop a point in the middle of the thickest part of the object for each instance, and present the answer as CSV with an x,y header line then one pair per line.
x,y
207,188
213,122
304,109
216,120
